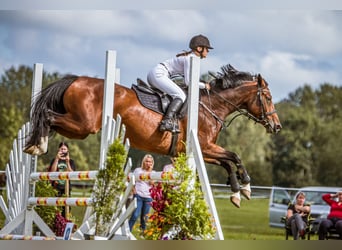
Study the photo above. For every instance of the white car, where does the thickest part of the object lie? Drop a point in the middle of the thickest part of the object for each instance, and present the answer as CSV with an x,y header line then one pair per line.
x,y
281,197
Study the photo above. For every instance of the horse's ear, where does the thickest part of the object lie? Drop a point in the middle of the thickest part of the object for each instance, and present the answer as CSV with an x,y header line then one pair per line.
x,y
260,81
212,74
231,68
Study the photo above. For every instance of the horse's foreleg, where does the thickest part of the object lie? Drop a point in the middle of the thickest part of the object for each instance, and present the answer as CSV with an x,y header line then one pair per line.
x,y
219,156
232,178
243,175
234,184
245,181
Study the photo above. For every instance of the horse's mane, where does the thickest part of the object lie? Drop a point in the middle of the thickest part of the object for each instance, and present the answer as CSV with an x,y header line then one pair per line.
x,y
229,77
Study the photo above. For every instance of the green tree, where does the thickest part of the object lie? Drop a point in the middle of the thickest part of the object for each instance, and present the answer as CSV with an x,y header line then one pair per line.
x,y
252,144
306,150
15,105
327,141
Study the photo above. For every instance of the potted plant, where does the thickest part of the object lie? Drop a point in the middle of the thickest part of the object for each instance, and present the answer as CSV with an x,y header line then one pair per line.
x,y
109,185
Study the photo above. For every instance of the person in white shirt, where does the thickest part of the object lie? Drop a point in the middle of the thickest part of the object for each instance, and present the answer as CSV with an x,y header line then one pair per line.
x,y
160,78
141,193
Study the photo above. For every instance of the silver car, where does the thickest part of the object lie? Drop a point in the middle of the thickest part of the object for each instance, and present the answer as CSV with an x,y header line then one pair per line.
x,y
281,197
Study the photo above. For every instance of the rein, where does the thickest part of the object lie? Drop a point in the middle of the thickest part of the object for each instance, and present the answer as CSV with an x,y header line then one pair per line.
x,y
244,112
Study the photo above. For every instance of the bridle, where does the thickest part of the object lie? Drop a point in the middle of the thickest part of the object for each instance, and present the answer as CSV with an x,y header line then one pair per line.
x,y
262,120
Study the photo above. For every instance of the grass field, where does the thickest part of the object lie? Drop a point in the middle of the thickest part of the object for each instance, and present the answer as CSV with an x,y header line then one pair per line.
x,y
249,222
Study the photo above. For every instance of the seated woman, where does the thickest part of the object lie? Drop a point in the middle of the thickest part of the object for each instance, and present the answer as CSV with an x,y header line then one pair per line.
x,y
334,218
297,216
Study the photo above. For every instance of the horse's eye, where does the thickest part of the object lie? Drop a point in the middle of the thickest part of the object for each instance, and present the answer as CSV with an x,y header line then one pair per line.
x,y
268,97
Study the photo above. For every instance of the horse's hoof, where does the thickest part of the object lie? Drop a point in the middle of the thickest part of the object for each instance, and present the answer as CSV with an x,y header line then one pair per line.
x,y
235,201
246,193
33,150
29,150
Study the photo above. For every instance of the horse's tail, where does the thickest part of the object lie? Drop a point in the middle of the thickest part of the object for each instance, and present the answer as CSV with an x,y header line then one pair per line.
x,y
51,98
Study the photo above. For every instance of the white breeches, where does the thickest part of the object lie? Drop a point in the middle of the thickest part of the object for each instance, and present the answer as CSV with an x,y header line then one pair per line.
x,y
158,77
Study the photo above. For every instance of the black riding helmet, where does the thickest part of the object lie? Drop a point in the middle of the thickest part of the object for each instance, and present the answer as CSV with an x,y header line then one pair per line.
x,y
199,41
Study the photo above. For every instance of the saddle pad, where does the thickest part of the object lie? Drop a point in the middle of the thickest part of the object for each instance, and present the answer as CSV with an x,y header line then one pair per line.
x,y
148,100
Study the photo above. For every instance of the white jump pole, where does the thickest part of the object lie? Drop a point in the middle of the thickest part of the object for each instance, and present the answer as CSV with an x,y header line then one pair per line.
x,y
193,98
192,148
37,82
108,102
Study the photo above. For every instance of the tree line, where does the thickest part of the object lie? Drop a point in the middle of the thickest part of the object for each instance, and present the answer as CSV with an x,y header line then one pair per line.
x,y
305,152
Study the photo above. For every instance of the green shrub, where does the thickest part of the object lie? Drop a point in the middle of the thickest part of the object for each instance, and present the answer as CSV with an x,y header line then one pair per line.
x,y
47,213
180,212
109,185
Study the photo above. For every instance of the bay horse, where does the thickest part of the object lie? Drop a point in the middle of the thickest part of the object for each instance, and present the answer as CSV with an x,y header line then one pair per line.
x,y
72,107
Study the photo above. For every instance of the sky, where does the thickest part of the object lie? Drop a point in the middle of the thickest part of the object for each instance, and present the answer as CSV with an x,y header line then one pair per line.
x,y
289,47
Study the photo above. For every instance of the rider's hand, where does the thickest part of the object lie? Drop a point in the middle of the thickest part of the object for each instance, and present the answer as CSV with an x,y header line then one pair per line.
x,y
207,86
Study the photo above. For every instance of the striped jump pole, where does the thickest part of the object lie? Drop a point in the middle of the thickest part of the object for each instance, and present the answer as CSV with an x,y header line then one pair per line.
x,y
75,175
157,176
24,237
60,201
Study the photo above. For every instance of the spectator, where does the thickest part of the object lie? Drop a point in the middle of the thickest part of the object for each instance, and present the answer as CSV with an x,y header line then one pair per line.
x,y
142,194
61,163
297,216
334,218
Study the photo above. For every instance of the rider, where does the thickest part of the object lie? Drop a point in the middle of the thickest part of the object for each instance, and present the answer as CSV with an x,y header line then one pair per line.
x,y
159,77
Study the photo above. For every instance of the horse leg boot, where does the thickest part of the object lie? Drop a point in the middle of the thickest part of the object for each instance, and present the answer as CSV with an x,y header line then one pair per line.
x,y
245,181
235,187
168,123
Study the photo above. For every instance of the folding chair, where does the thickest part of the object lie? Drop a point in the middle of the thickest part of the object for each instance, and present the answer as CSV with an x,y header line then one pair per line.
x,y
308,228
332,233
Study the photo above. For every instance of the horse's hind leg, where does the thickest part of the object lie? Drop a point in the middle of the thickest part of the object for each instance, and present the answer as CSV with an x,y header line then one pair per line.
x,y
42,147
72,127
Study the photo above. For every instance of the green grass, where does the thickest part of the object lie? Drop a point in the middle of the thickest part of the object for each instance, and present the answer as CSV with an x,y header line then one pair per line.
x,y
249,222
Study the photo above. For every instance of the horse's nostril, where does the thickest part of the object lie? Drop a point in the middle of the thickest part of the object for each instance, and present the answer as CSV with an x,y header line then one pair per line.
x,y
278,128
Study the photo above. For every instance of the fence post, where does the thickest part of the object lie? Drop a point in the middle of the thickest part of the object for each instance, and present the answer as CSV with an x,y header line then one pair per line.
x,y
108,102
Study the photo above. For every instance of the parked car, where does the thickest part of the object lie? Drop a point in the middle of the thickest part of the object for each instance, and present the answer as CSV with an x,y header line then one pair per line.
x,y
281,197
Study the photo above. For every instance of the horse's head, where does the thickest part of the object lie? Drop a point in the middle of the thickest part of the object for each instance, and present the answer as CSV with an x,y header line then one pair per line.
x,y
262,107
251,94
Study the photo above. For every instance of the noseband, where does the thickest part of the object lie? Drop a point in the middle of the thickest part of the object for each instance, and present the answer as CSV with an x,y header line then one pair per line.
x,y
262,120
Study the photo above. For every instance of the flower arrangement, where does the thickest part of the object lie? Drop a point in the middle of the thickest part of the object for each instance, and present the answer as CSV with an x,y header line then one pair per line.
x,y
59,225
179,212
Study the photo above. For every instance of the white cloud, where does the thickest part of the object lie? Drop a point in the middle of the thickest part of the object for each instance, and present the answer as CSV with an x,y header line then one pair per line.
x,y
288,47
285,74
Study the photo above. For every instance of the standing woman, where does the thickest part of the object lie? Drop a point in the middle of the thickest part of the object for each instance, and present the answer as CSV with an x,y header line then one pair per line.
x,y
159,77
297,216
141,193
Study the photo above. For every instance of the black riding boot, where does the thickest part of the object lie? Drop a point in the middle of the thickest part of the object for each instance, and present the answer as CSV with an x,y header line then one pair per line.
x,y
169,123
